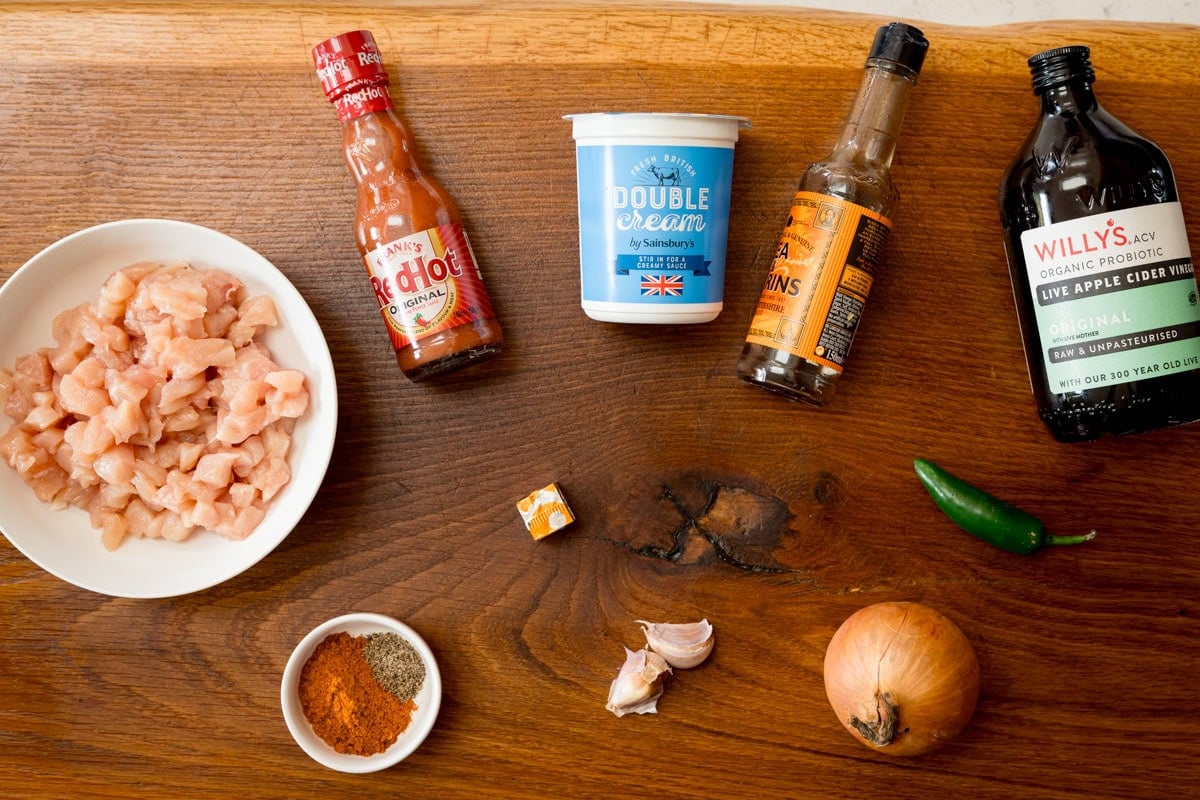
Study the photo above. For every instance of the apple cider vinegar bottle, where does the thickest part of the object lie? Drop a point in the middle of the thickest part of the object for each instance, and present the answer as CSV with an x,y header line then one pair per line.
x,y
1100,265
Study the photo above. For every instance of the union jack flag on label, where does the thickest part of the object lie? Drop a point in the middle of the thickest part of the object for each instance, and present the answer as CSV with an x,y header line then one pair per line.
x,y
662,285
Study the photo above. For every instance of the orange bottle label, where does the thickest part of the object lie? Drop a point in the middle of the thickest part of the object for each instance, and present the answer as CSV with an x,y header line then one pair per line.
x,y
820,279
426,283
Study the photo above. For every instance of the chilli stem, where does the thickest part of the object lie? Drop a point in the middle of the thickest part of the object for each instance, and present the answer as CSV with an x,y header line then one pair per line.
x,y
1080,539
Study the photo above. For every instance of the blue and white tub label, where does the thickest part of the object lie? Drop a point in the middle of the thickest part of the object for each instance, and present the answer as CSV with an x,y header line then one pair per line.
x,y
653,222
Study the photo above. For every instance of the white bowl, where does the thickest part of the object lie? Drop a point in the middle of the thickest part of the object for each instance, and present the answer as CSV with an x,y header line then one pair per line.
x,y
71,271
428,700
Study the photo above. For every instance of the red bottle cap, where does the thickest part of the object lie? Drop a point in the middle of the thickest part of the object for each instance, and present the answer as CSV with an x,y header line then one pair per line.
x,y
352,75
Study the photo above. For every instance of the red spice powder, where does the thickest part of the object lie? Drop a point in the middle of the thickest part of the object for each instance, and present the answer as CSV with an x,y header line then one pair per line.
x,y
344,702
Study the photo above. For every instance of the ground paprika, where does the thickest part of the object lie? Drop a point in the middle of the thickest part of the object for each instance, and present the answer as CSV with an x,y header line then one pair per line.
x,y
345,704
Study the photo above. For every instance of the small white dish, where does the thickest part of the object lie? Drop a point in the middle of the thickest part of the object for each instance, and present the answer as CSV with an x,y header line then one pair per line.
x,y
71,271
428,701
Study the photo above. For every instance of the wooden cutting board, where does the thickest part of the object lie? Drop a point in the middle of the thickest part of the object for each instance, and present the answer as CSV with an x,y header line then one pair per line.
x,y
696,496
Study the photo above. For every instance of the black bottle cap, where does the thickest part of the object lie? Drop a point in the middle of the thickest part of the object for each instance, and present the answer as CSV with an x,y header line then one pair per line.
x,y
1061,65
902,44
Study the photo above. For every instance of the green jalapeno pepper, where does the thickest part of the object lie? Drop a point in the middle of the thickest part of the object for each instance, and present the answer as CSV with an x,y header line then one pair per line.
x,y
987,517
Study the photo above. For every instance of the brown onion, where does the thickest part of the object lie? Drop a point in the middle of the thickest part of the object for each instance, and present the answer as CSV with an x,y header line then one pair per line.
x,y
901,678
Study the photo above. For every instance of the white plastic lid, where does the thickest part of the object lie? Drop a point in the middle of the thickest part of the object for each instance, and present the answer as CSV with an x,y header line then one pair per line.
x,y
720,129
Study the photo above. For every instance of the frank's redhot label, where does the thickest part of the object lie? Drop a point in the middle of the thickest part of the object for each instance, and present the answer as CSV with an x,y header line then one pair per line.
x,y
427,282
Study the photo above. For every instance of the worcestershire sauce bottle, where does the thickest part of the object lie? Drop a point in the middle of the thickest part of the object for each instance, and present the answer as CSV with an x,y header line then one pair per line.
x,y
832,243
1100,266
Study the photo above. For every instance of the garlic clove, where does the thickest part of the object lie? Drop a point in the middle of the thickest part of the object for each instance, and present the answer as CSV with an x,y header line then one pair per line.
x,y
682,644
638,685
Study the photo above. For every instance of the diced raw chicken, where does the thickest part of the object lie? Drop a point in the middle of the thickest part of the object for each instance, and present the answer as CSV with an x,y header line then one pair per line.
x,y
6,385
156,411
18,405
90,372
76,397
174,528
72,347
181,294
189,455
153,433
250,453
242,494
254,314
133,383
185,419
256,394
136,272
33,373
215,469
141,518
15,446
47,479
113,529
258,311
43,417
222,307
78,496
126,421
115,359
100,334
233,428
65,359
177,392
158,335
114,295
277,438
287,396
153,472
203,515
244,522
216,323
287,381
115,497
115,466
50,439
270,477
93,438
187,357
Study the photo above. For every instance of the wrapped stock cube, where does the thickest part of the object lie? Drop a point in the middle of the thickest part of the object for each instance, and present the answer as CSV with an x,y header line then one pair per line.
x,y
545,512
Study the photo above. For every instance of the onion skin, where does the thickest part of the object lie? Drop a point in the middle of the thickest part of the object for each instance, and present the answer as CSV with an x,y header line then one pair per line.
x,y
901,678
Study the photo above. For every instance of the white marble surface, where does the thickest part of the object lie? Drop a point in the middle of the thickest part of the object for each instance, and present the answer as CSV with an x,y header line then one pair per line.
x,y
1000,12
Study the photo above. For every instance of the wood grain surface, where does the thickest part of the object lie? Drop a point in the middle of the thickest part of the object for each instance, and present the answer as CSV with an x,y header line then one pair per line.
x,y
697,496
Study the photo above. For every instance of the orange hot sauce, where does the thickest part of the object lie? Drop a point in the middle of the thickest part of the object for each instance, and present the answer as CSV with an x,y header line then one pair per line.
x,y
423,274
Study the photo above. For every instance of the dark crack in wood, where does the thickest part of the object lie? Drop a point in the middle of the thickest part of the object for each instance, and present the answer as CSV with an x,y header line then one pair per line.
x,y
693,524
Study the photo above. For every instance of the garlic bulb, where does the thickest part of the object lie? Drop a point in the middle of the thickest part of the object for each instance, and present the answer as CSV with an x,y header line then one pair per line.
x,y
638,685
682,645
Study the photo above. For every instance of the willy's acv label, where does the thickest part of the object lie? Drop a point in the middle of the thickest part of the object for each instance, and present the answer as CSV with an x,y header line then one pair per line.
x,y
653,222
427,282
1115,297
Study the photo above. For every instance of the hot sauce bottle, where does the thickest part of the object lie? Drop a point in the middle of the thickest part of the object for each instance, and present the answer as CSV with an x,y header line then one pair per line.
x,y
1100,265
831,245
424,276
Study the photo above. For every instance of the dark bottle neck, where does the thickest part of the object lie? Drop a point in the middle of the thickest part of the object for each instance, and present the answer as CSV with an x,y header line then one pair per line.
x,y
1069,98
1063,79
